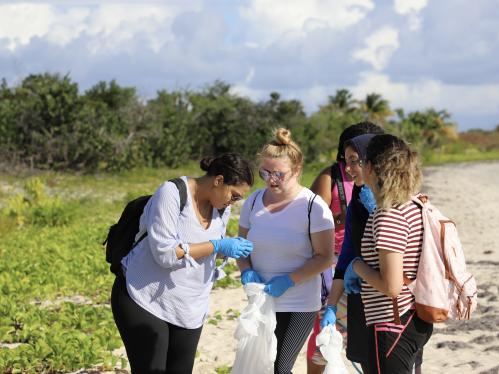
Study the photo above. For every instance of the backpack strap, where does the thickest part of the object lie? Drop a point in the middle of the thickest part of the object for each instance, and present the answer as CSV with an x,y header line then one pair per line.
x,y
337,179
310,205
182,192
254,200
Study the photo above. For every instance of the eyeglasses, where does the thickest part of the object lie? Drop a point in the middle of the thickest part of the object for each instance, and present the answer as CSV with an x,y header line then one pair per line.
x,y
235,198
357,161
267,174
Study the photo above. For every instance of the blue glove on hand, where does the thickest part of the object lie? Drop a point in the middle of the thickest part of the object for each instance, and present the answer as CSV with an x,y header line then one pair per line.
x,y
250,276
367,199
351,281
232,247
329,317
278,285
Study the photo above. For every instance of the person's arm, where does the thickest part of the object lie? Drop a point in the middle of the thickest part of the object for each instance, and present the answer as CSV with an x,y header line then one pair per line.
x,y
389,280
346,255
321,259
161,224
243,263
244,225
322,229
322,185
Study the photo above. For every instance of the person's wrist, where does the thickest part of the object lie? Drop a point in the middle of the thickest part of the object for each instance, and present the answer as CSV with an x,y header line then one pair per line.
x,y
334,308
185,247
290,280
214,242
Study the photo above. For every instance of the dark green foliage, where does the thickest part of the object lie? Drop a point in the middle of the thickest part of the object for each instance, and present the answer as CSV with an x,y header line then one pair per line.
x,y
46,123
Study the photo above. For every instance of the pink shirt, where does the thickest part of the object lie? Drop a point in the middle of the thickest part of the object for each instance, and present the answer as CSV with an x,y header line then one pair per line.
x,y
339,230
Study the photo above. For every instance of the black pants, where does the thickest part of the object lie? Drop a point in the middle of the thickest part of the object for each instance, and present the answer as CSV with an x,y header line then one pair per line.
x,y
153,346
292,330
394,348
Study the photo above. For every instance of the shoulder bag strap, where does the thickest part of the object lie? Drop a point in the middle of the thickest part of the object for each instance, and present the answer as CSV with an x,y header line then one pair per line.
x,y
182,191
336,178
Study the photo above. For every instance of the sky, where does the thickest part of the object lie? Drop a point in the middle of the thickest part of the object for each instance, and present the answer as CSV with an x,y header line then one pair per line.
x,y
416,53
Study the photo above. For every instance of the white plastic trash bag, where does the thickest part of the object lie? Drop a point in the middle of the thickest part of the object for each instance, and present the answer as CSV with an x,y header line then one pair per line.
x,y
330,342
257,344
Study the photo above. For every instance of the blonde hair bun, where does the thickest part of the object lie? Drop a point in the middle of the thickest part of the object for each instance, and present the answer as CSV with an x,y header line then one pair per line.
x,y
283,136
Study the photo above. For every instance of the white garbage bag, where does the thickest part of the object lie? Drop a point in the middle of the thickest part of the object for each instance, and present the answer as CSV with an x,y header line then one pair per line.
x,y
330,342
257,344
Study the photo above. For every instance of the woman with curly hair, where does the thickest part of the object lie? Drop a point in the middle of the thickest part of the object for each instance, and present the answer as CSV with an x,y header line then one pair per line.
x,y
391,247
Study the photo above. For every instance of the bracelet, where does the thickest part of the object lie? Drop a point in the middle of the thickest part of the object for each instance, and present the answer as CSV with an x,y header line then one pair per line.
x,y
185,247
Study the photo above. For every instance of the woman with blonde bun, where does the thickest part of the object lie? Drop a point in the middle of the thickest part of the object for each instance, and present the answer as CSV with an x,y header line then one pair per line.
x,y
291,229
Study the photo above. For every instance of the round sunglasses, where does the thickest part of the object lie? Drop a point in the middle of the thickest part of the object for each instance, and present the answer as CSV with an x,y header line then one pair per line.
x,y
267,174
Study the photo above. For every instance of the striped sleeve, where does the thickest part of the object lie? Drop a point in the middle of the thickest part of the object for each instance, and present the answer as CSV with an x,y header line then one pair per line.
x,y
391,230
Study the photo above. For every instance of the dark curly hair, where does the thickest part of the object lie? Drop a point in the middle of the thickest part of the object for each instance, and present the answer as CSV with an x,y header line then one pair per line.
x,y
352,131
234,168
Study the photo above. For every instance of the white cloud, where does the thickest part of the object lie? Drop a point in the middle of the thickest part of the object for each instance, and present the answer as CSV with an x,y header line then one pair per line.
x,y
379,48
457,99
293,17
107,27
21,22
411,8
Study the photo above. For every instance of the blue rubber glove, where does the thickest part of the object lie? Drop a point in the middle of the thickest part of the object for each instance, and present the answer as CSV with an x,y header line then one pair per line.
x,y
329,317
278,285
367,199
250,276
232,247
351,281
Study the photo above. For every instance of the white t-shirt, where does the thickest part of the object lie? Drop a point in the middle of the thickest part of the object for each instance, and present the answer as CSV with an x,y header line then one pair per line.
x,y
282,244
169,288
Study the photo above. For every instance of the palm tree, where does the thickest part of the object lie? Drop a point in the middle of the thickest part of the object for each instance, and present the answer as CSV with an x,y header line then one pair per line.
x,y
342,100
375,108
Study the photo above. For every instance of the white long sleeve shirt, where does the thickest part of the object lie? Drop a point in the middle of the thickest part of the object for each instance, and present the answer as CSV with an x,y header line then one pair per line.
x,y
171,289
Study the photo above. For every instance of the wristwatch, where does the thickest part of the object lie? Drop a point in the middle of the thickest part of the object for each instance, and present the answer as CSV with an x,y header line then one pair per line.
x,y
185,247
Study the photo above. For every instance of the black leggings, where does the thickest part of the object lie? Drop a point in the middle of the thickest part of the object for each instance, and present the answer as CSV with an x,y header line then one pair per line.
x,y
292,330
395,348
153,346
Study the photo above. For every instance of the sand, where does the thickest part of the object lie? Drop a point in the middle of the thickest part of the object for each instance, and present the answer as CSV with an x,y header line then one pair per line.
x,y
467,193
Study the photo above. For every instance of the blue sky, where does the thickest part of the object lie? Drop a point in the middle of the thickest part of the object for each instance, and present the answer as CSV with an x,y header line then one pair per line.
x,y
416,53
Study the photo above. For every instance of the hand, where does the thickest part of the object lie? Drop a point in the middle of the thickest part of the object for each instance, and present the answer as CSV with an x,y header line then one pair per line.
x,y
278,285
250,276
329,317
232,247
351,281
367,199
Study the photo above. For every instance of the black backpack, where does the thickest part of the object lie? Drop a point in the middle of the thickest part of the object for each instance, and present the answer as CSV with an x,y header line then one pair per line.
x,y
120,239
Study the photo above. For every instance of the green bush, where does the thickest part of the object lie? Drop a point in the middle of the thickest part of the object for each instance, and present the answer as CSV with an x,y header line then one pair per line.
x,y
35,206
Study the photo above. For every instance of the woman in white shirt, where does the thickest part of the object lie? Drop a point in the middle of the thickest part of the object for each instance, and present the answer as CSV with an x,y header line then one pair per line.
x,y
161,300
291,230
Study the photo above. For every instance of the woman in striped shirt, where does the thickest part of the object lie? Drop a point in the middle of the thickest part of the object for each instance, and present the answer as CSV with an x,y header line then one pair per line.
x,y
391,247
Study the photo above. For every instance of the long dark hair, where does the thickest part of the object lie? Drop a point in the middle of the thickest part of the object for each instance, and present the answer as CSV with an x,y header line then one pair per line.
x,y
352,131
232,166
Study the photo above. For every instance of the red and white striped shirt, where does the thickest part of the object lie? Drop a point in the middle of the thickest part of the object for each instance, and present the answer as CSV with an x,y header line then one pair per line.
x,y
399,229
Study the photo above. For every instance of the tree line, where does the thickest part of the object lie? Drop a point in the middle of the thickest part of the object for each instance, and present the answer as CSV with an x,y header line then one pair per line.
x,y
46,123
